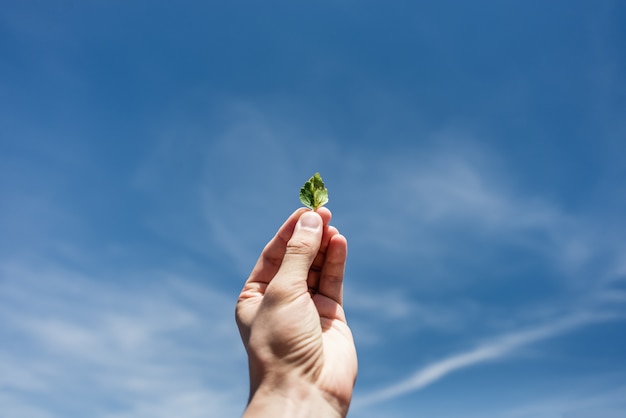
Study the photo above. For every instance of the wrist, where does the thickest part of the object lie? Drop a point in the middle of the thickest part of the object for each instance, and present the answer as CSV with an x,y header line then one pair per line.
x,y
291,397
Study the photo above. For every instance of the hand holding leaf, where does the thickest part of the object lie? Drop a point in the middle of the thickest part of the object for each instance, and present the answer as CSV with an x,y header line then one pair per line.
x,y
314,194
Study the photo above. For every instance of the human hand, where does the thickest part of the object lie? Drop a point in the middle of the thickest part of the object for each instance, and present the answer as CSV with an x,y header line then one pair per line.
x,y
301,354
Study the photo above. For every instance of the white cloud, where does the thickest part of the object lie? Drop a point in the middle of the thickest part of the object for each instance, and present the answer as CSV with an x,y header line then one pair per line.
x,y
85,347
425,202
378,312
228,179
499,347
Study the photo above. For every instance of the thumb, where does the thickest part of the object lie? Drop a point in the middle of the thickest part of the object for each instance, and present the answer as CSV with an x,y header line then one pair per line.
x,y
299,254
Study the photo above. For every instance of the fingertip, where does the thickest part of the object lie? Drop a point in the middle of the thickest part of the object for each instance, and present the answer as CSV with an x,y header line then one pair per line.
x,y
338,248
310,220
325,213
338,239
298,212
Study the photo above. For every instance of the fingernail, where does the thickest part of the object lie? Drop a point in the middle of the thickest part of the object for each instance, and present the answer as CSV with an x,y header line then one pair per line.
x,y
310,220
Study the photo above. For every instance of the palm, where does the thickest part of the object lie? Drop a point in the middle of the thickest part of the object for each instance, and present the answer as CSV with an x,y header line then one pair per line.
x,y
330,357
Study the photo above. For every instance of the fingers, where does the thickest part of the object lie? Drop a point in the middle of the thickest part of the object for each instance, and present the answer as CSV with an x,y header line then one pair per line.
x,y
331,277
272,256
300,251
318,263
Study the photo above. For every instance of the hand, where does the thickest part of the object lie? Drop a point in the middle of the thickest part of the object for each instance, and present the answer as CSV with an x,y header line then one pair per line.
x,y
301,354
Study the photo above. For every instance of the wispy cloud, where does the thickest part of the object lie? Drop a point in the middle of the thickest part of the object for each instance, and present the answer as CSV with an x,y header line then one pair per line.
x,y
497,348
149,350
229,175
453,191
426,202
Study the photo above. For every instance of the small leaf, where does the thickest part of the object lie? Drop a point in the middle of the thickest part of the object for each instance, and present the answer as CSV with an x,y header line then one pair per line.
x,y
314,194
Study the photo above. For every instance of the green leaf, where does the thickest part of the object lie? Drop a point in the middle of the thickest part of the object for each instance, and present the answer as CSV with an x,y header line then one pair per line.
x,y
314,194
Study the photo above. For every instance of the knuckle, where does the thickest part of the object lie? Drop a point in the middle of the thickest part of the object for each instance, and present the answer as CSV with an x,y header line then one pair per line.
x,y
297,246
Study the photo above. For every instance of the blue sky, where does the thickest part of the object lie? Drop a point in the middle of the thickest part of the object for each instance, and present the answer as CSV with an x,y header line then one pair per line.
x,y
474,154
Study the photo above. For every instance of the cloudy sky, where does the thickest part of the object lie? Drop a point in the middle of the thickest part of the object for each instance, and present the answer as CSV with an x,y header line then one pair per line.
x,y
474,156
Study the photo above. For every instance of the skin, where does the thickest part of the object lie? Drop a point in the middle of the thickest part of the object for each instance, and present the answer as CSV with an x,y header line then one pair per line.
x,y
301,353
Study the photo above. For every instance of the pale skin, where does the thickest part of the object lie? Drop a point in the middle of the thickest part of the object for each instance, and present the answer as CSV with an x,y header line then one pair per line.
x,y
301,353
